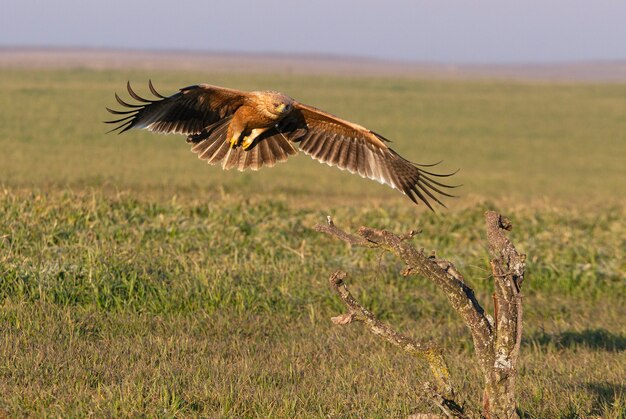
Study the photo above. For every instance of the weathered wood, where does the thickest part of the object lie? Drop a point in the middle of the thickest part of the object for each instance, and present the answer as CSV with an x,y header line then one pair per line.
x,y
508,268
496,342
442,394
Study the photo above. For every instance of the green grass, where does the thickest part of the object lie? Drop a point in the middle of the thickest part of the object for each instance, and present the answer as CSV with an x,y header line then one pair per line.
x,y
136,280
519,141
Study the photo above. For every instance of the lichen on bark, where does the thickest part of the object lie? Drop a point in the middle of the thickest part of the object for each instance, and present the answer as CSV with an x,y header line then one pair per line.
x,y
496,338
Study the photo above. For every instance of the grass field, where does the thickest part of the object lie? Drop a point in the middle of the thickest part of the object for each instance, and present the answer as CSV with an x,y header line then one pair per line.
x,y
137,280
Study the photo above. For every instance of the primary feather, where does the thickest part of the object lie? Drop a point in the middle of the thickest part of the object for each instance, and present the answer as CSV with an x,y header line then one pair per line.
x,y
216,120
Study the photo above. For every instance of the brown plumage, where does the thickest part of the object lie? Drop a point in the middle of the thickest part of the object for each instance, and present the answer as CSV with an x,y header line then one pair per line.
x,y
249,130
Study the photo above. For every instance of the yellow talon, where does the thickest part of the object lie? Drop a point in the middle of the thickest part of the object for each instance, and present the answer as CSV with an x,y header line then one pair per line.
x,y
247,142
233,142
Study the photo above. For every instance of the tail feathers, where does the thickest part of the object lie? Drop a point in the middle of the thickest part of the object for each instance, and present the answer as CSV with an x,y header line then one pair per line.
x,y
268,151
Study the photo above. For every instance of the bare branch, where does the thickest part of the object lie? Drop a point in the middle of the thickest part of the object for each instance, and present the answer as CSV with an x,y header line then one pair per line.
x,y
332,230
442,394
496,341
359,313
448,279
447,406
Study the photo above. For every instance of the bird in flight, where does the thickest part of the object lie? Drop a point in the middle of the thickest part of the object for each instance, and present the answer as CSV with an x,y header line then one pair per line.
x,y
249,130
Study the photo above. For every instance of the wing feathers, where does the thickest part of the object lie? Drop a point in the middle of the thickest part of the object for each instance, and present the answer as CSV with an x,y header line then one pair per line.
x,y
313,144
135,95
154,92
342,156
358,150
128,105
204,113
220,153
186,112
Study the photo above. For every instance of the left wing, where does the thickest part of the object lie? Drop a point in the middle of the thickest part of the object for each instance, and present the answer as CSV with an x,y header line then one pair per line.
x,y
202,113
187,112
351,147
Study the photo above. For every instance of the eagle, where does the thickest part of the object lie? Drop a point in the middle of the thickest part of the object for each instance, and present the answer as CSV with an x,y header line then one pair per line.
x,y
250,130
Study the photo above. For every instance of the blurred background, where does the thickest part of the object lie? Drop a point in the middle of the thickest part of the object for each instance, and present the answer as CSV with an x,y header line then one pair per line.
x,y
445,31
436,78
525,98
136,280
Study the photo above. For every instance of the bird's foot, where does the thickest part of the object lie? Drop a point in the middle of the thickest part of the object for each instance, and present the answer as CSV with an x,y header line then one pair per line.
x,y
247,142
234,141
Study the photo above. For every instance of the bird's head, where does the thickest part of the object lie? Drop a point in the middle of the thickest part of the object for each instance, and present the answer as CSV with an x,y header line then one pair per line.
x,y
278,103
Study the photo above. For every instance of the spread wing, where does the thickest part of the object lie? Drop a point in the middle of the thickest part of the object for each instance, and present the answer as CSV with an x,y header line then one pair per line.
x,y
351,147
202,113
187,112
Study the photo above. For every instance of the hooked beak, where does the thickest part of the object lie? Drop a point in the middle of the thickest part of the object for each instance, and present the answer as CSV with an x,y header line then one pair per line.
x,y
281,108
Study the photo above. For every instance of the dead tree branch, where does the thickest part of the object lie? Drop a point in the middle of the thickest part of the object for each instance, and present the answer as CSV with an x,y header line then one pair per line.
x,y
496,342
508,268
426,351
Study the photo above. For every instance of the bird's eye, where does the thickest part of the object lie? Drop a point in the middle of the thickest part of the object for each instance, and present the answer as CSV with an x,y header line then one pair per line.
x,y
276,104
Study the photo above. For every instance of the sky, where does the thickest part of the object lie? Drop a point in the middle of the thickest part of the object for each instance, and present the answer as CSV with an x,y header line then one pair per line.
x,y
442,31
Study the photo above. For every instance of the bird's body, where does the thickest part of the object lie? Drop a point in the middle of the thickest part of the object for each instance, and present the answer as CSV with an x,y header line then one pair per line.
x,y
249,130
258,113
